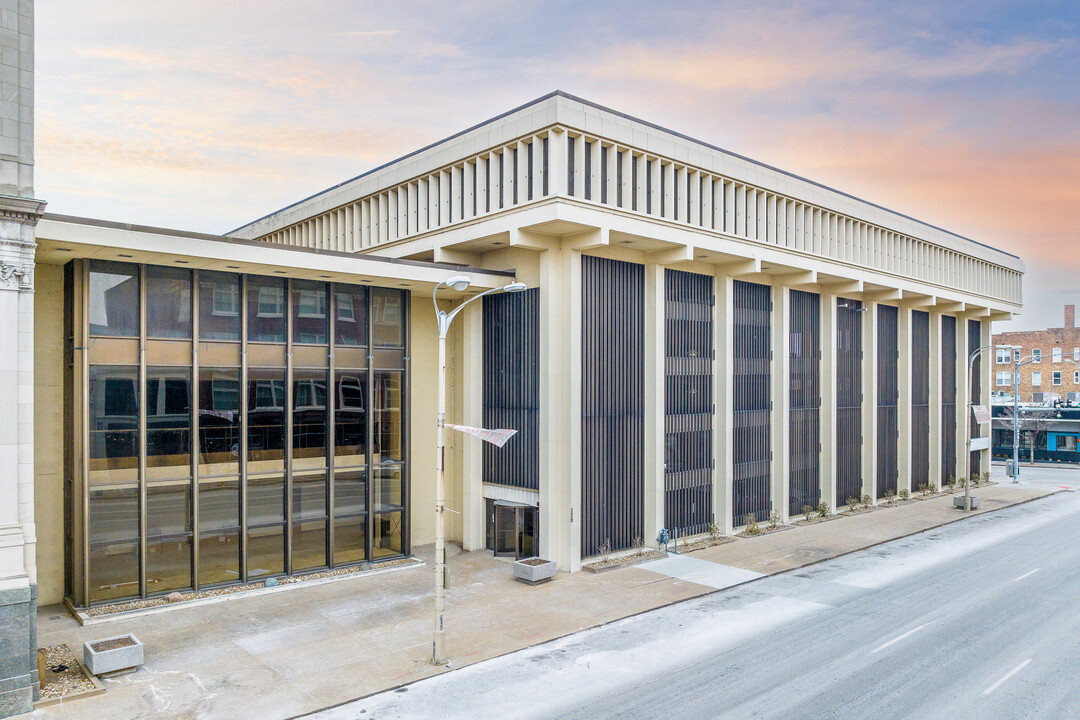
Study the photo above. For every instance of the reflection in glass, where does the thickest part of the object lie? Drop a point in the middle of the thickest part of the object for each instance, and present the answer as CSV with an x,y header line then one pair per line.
x,y
350,492
266,420
350,418
387,317
219,421
387,535
113,301
219,306
168,564
350,539
266,500
266,309
113,418
309,418
309,312
114,542
168,302
219,557
309,545
266,551
219,504
350,320
168,423
388,438
387,487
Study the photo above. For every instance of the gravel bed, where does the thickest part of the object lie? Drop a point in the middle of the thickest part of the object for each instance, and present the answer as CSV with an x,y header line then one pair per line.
x,y
627,559
70,681
179,597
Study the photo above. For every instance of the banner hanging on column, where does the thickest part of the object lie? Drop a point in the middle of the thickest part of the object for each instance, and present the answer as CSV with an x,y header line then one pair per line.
x,y
498,438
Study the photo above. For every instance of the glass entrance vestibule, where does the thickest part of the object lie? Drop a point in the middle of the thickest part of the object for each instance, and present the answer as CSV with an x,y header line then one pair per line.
x,y
224,428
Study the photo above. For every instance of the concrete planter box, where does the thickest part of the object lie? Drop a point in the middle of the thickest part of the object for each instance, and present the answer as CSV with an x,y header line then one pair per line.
x,y
534,571
112,654
958,502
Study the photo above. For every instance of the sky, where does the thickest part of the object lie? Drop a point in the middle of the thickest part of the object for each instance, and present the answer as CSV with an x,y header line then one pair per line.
x,y
203,116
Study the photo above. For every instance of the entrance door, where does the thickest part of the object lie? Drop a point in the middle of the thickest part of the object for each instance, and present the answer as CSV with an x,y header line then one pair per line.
x,y
513,530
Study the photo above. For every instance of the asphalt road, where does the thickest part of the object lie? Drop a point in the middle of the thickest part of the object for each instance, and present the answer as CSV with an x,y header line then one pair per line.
x,y
978,619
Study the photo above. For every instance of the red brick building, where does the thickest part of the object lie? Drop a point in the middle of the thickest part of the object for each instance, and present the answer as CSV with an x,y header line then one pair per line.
x,y
1055,374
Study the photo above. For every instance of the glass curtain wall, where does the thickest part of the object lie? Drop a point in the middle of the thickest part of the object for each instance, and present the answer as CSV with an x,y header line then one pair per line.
x,y
223,427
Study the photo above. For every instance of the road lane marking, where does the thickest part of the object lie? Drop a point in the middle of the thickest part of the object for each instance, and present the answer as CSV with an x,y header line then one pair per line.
x,y
1008,675
898,639
1027,574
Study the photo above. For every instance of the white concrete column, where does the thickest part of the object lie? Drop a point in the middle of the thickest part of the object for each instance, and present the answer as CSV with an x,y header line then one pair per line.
x,y
640,195
483,179
707,202
935,399
594,170
655,200
695,198
724,390
780,375
472,413
578,168
445,197
869,398
654,401
560,407
668,199
828,399
627,178
521,177
903,401
496,168
558,171
468,188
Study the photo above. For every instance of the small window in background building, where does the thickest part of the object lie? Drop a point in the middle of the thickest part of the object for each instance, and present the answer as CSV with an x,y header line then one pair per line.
x,y
1076,354
1004,379
1002,356
1036,379
1076,377
1057,377
1055,355
1036,355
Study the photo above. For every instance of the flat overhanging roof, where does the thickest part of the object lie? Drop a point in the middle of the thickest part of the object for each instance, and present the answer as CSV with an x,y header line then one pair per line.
x,y
64,237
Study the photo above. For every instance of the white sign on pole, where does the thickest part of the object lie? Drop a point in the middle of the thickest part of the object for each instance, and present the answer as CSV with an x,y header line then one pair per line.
x,y
982,415
497,438
982,443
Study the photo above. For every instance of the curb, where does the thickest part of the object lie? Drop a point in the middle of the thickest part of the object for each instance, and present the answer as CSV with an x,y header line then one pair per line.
x,y
447,668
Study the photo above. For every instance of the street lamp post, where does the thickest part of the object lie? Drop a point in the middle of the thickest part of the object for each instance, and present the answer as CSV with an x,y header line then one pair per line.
x,y
967,421
1017,362
443,318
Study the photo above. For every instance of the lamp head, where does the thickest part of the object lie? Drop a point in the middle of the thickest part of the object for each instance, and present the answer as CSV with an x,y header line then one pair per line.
x,y
458,282
515,287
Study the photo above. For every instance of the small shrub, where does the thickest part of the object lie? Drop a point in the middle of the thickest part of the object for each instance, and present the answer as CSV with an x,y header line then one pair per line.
x,y
808,512
924,489
952,482
774,518
823,509
852,503
866,501
604,548
751,525
985,477
716,531
638,545
905,494
889,496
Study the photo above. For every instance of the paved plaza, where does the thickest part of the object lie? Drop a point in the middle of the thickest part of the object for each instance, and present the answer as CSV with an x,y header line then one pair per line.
x,y
291,652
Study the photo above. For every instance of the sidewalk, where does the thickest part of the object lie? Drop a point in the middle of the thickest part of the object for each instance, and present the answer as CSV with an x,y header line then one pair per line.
x,y
284,654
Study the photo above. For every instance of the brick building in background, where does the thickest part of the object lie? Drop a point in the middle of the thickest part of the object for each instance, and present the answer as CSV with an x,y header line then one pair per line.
x,y
1056,375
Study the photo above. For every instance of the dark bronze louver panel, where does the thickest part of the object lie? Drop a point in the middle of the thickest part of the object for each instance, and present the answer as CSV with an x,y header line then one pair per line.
x,y
752,451
613,406
948,398
511,387
848,400
688,406
887,398
974,340
920,399
805,399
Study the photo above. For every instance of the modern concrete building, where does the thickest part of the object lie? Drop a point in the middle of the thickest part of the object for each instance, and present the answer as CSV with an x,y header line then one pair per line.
x,y
705,338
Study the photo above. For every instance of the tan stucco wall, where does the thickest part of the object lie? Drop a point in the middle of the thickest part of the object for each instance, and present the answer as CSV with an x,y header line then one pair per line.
x,y
49,430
